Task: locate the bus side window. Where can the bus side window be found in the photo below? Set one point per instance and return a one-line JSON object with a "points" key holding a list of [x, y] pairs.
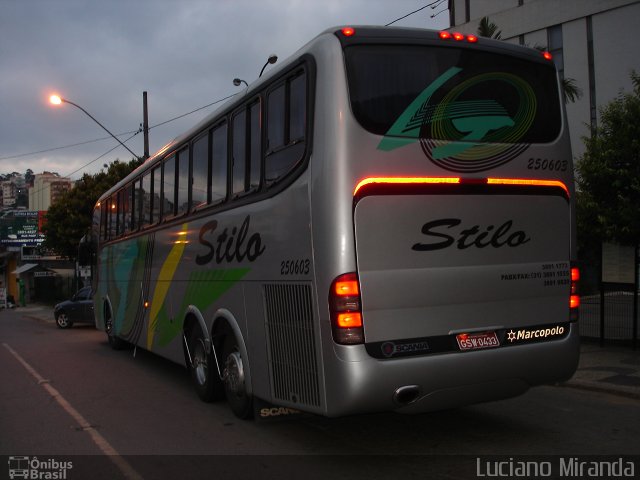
{"points": [[219, 164], [297, 108], [127, 209], [275, 119], [104, 219], [200, 176], [156, 180], [145, 199], [169, 187], [239, 152], [255, 146], [182, 182], [138, 198], [286, 127], [113, 217]]}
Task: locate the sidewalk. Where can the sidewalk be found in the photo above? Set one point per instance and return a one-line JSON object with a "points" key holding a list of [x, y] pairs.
{"points": [[612, 369]]}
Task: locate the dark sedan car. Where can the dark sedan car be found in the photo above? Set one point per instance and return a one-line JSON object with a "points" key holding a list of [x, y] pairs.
{"points": [[78, 309]]}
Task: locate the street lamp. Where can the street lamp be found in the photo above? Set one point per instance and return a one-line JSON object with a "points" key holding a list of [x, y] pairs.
{"points": [[273, 58], [238, 81], [57, 100]]}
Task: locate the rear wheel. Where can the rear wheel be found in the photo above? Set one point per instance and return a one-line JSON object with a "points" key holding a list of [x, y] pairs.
{"points": [[234, 380], [202, 368], [62, 320]]}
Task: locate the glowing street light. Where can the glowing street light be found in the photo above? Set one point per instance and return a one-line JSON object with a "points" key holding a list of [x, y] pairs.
{"points": [[58, 100]]}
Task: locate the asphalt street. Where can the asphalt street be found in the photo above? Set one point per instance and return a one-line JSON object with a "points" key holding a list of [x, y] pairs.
{"points": [[66, 394]]}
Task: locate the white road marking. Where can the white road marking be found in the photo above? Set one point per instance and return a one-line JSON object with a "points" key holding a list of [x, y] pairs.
{"points": [[102, 443]]}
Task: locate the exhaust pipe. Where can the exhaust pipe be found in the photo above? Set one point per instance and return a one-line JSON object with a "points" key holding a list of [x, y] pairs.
{"points": [[406, 395]]}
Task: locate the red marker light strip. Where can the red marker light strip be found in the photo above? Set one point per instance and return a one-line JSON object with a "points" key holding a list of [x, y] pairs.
{"points": [[456, 180], [397, 180], [457, 36], [528, 181]]}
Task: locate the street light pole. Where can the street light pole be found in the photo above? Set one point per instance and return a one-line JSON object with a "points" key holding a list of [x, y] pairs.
{"points": [[273, 58], [57, 100]]}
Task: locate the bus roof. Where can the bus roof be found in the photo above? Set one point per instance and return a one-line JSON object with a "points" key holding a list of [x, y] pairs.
{"points": [[356, 35]]}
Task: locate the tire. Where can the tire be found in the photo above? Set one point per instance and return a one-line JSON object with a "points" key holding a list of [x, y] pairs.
{"points": [[62, 320], [202, 368], [234, 380], [115, 342]]}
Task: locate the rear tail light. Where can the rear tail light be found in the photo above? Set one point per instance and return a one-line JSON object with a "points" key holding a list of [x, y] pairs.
{"points": [[346, 311], [574, 297]]}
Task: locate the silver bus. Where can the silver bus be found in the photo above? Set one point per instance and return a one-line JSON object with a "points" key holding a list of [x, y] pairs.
{"points": [[383, 222]]}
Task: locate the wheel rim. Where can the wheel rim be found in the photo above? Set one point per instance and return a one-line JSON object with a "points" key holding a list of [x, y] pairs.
{"points": [[63, 321], [233, 376], [200, 364]]}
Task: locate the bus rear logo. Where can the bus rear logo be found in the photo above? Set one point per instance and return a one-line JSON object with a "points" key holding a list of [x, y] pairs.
{"points": [[475, 236], [463, 129]]}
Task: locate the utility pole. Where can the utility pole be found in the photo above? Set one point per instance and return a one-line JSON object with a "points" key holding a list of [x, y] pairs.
{"points": [[145, 124]]}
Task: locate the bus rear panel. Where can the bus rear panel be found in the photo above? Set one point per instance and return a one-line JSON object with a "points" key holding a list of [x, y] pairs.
{"points": [[459, 287]]}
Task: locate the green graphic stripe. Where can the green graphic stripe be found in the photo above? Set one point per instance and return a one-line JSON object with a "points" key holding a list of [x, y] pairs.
{"points": [[203, 289], [406, 117]]}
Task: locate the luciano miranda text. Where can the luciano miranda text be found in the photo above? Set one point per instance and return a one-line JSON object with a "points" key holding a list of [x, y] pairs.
{"points": [[565, 467]]}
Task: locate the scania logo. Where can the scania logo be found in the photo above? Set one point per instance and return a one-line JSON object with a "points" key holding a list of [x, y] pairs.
{"points": [[391, 349]]}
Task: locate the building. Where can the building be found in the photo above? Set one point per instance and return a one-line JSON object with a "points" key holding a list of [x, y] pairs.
{"points": [[593, 42], [9, 193], [13, 192], [47, 188]]}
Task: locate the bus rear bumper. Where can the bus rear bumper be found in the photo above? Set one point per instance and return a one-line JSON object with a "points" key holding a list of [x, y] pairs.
{"points": [[360, 383]]}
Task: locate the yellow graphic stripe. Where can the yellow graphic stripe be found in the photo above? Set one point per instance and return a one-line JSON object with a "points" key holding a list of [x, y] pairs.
{"points": [[163, 282]]}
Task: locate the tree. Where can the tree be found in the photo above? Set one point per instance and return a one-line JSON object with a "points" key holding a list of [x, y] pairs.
{"points": [[487, 28], [70, 217], [29, 177], [608, 174], [570, 91]]}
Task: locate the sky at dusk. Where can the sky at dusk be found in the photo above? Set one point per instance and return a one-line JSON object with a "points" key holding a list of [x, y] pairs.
{"points": [[102, 54]]}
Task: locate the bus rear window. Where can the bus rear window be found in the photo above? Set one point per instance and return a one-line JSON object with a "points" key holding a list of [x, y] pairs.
{"points": [[452, 94]]}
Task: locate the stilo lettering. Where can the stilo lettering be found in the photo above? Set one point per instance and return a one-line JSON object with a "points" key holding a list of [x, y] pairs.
{"points": [[475, 236], [229, 245]]}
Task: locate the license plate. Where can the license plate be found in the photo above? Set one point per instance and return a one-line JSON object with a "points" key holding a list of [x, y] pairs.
{"points": [[477, 341]]}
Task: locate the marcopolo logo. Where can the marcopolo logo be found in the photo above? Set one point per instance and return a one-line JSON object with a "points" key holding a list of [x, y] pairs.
{"points": [[460, 127], [35, 468], [535, 334]]}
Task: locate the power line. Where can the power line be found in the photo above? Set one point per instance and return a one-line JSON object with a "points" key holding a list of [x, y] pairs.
{"points": [[415, 11], [52, 149], [193, 111], [68, 175]]}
